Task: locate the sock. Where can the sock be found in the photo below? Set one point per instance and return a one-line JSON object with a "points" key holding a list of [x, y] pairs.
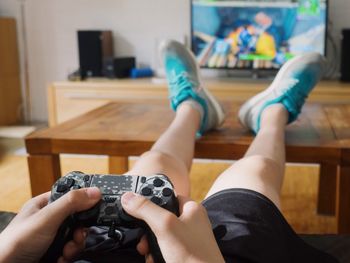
{"points": [[195, 105]]}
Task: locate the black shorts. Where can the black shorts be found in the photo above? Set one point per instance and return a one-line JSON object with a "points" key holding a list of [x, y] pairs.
{"points": [[247, 226], [250, 228]]}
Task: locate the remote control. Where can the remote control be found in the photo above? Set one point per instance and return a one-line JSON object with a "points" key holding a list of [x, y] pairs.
{"points": [[109, 212]]}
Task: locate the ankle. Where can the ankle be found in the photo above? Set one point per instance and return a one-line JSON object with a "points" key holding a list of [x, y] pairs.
{"points": [[192, 105], [190, 110], [275, 115]]}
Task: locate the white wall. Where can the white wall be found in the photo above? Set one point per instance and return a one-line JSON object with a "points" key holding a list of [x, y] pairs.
{"points": [[137, 25]]}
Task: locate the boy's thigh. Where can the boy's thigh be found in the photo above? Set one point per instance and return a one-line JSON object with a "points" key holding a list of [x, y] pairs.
{"points": [[255, 173]]}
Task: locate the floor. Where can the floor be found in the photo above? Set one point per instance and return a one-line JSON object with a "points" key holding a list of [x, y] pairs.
{"points": [[298, 195]]}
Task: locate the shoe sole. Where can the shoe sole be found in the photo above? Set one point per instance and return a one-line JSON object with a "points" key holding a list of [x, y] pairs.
{"points": [[212, 99], [243, 114]]}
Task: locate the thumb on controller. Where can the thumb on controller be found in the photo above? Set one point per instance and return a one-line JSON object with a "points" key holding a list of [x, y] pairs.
{"points": [[157, 218], [72, 202]]}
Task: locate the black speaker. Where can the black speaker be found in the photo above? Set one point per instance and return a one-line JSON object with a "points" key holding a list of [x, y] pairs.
{"points": [[94, 48], [345, 57], [118, 67]]}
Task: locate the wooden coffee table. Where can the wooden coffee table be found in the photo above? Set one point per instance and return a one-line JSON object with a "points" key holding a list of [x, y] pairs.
{"points": [[321, 135]]}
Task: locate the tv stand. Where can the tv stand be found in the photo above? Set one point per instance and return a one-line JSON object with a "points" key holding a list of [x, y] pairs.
{"points": [[69, 99], [241, 75], [256, 74]]}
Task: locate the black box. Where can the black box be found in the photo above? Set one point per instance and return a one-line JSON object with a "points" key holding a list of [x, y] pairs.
{"points": [[118, 67], [94, 48], [345, 56]]}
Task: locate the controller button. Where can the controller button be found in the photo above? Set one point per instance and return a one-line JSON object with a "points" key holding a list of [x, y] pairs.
{"points": [[86, 178], [62, 188], [158, 182], [146, 191], [70, 182], [156, 200], [143, 179], [109, 210], [167, 192], [64, 185]]}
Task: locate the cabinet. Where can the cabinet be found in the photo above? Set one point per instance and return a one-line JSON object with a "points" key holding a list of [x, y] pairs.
{"points": [[10, 84], [70, 99]]}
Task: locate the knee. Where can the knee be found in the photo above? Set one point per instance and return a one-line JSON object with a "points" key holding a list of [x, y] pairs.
{"points": [[158, 162], [164, 160], [260, 164], [158, 157]]}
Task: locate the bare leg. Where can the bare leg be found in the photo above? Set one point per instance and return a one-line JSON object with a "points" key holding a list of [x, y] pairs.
{"points": [[262, 168], [172, 154]]}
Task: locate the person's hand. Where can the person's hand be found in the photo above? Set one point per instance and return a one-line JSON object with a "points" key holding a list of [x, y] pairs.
{"points": [[188, 238], [32, 231]]}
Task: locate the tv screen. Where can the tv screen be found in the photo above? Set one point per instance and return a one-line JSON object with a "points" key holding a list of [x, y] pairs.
{"points": [[256, 34]]}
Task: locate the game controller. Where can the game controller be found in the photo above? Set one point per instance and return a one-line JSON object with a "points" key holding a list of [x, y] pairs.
{"points": [[109, 212]]}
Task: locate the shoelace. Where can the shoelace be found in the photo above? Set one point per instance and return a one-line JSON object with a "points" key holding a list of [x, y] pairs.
{"points": [[180, 83]]}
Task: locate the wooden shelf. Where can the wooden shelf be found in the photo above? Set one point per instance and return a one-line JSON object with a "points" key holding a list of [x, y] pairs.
{"points": [[70, 99]]}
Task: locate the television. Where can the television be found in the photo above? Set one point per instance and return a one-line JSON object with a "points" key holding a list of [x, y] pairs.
{"points": [[256, 34]]}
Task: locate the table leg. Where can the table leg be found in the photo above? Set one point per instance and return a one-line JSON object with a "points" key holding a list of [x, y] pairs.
{"points": [[118, 164], [343, 200], [44, 170], [327, 189]]}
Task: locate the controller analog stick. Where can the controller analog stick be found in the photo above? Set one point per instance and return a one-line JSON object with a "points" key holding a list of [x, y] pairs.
{"points": [[167, 192], [156, 200], [146, 191]]}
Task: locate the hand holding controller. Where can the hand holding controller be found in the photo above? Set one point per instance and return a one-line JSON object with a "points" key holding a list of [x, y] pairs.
{"points": [[109, 212]]}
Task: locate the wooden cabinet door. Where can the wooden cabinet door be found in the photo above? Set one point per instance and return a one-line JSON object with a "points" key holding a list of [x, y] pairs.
{"points": [[10, 87]]}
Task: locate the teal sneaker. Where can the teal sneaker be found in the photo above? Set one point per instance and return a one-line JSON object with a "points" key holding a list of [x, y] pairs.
{"points": [[291, 87], [184, 83]]}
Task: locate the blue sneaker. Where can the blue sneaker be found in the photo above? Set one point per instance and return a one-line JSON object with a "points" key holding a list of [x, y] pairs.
{"points": [[291, 87], [184, 83]]}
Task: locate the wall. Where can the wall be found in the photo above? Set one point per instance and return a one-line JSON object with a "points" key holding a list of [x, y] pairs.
{"points": [[138, 25]]}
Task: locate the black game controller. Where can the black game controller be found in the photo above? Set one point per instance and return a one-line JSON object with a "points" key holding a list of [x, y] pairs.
{"points": [[109, 212]]}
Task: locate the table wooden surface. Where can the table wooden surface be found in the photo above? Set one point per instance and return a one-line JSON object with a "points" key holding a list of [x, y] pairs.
{"points": [[321, 135]]}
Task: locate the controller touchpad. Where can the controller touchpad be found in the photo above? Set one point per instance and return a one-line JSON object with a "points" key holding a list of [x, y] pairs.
{"points": [[113, 185]]}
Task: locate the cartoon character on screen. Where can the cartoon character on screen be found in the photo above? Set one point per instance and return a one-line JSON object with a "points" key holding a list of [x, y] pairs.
{"points": [[254, 37], [247, 39], [225, 51]]}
